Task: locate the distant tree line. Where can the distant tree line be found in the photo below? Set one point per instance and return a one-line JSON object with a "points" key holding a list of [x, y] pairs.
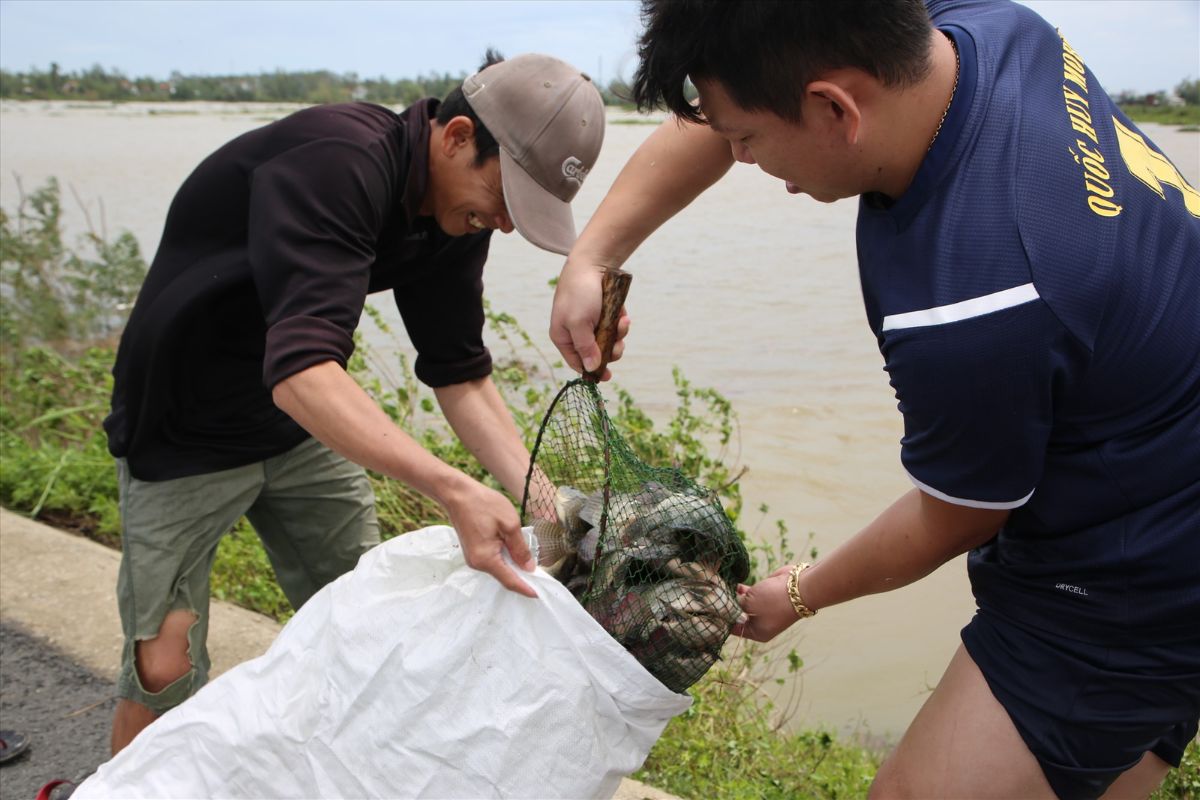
{"points": [[323, 86], [1186, 93], [318, 86]]}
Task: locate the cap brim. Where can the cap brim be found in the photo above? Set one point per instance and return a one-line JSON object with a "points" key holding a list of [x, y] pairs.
{"points": [[539, 216]]}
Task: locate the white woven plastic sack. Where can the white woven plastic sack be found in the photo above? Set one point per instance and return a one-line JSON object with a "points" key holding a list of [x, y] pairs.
{"points": [[412, 676]]}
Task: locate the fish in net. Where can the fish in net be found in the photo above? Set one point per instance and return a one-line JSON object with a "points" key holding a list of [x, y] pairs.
{"points": [[649, 553]]}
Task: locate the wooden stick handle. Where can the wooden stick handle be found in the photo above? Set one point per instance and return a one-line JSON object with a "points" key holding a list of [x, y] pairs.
{"points": [[614, 289]]}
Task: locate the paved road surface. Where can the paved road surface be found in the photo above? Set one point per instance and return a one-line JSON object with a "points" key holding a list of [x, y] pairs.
{"points": [[64, 709]]}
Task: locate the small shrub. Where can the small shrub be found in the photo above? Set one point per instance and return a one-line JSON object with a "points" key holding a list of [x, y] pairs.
{"points": [[242, 574], [64, 298], [1183, 783]]}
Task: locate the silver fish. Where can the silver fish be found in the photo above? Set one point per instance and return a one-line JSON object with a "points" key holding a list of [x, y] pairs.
{"points": [[656, 582], [659, 579], [629, 618], [697, 570], [568, 503], [587, 545], [577, 584], [624, 508], [564, 568], [697, 633], [688, 597], [678, 671], [552, 541], [592, 509]]}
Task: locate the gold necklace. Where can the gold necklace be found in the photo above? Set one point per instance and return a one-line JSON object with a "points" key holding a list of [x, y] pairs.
{"points": [[953, 91]]}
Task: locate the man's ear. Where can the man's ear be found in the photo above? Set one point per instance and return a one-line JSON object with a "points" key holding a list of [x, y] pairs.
{"points": [[457, 133], [836, 110]]}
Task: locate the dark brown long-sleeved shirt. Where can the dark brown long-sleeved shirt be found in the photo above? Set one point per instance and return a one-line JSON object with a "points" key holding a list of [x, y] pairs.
{"points": [[269, 251]]}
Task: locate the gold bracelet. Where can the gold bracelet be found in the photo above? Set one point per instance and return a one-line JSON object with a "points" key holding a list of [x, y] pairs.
{"points": [[802, 611]]}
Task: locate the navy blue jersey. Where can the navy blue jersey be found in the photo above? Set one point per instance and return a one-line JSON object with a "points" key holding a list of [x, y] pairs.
{"points": [[1036, 297]]}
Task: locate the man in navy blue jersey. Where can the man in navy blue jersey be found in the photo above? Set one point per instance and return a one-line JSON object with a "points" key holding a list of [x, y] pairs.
{"points": [[1030, 266]]}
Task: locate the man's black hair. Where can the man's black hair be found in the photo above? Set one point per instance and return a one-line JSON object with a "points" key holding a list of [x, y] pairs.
{"points": [[455, 105], [765, 52]]}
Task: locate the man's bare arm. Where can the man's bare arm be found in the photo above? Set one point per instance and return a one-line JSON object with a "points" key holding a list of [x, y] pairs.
{"points": [[671, 168], [484, 424], [328, 403], [913, 537]]}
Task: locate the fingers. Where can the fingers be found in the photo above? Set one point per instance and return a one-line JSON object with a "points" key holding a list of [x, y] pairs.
{"points": [[510, 537], [583, 340], [491, 561], [746, 630], [486, 525], [744, 627], [501, 571], [518, 548], [585, 345], [566, 348], [767, 612], [622, 331], [575, 314]]}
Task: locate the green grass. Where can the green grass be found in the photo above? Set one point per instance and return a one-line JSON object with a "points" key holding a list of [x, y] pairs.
{"points": [[1187, 115], [730, 744], [242, 575]]}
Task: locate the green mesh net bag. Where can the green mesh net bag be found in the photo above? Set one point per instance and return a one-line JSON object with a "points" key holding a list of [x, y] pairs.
{"points": [[649, 553]]}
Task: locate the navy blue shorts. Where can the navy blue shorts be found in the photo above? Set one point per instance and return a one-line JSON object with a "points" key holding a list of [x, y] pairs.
{"points": [[1089, 712]]}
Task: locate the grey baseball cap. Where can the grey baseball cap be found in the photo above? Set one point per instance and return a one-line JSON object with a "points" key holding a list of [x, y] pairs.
{"points": [[548, 119]]}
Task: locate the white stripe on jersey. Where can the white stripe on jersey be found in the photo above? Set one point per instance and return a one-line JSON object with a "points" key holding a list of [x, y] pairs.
{"points": [[958, 501], [955, 312]]}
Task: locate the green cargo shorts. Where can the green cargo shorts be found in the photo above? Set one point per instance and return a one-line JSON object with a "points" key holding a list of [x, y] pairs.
{"points": [[313, 510]]}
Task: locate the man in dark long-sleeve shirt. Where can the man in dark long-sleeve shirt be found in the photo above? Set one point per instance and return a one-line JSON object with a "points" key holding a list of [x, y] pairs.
{"points": [[231, 395]]}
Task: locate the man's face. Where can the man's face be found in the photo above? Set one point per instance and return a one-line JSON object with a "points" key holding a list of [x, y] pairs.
{"points": [[805, 158], [461, 197]]}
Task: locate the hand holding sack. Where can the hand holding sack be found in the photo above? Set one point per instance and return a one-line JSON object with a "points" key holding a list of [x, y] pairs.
{"points": [[412, 676]]}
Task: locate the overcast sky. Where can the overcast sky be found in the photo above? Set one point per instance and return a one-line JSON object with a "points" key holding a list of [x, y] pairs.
{"points": [[1144, 45]]}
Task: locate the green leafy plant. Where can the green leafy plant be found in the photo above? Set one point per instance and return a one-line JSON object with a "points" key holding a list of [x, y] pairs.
{"points": [[1182, 783], [242, 575], [56, 461], [56, 296]]}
